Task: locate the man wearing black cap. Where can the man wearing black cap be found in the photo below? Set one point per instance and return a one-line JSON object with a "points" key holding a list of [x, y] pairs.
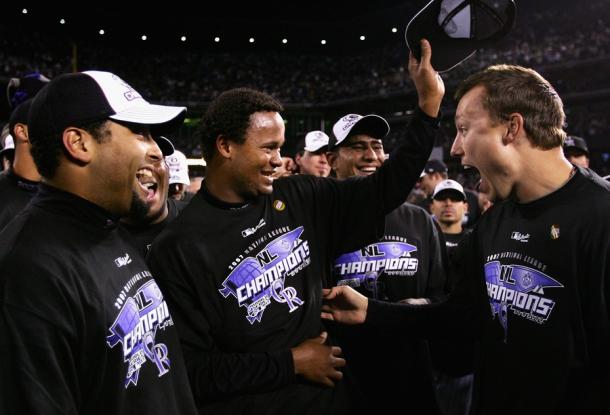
{"points": [[449, 206], [244, 264], [406, 263], [453, 360], [20, 183], [576, 150], [434, 172], [535, 271], [150, 215], [85, 328]]}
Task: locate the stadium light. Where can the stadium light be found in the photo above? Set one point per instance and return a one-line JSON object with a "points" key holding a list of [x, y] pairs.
{"points": [[394, 30], [183, 38], [24, 11], [62, 21], [216, 39], [362, 37], [323, 42], [284, 41], [101, 31], [251, 40], [144, 37]]}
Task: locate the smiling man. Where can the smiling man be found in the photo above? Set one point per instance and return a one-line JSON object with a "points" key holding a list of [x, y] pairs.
{"points": [[244, 263], [85, 328], [153, 210], [406, 263]]}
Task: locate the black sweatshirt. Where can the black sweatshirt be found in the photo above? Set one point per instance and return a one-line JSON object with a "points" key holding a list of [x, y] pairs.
{"points": [[393, 368], [84, 327], [534, 291], [244, 283], [143, 235], [15, 194]]}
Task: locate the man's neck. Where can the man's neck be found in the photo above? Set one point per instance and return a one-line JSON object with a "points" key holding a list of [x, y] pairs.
{"points": [[542, 172], [452, 228], [23, 165]]}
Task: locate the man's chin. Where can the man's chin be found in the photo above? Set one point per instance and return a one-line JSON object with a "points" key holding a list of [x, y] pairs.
{"points": [[139, 209]]}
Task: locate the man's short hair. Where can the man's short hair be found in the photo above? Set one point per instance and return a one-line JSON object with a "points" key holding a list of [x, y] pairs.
{"points": [[229, 115], [512, 88]]}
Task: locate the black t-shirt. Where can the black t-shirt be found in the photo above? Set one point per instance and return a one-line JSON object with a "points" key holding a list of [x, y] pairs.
{"points": [[244, 282], [143, 235], [536, 279], [85, 328], [406, 263], [15, 194]]}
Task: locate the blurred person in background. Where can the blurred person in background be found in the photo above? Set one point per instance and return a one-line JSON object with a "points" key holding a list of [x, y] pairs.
{"points": [[20, 183], [310, 157], [178, 176], [576, 150]]}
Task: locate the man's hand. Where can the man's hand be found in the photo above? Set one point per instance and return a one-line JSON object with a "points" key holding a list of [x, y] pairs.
{"points": [[429, 85], [345, 305], [317, 362]]}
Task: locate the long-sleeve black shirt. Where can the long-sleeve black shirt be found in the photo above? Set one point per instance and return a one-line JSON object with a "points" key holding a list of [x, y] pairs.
{"points": [[84, 327], [244, 284], [534, 289]]}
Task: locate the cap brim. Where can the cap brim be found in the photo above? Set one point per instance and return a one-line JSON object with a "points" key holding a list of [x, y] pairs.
{"points": [[165, 145], [450, 191], [316, 149], [163, 118], [447, 52], [372, 125]]}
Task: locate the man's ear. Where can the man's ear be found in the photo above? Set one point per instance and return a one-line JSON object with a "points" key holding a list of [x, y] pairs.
{"points": [[331, 157], [224, 146], [78, 144], [20, 133], [514, 128]]}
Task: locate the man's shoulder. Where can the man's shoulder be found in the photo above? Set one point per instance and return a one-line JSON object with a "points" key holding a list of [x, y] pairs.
{"points": [[410, 210]]}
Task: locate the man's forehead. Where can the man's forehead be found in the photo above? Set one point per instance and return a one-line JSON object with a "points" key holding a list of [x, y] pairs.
{"points": [[264, 119], [360, 138]]}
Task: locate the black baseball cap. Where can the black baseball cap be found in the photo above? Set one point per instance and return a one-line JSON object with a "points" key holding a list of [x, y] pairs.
{"points": [[21, 89], [19, 115], [81, 98], [434, 166], [575, 144], [457, 28]]}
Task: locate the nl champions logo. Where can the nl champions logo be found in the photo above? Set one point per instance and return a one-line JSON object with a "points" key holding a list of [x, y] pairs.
{"points": [[520, 289], [135, 328], [361, 268], [258, 280]]}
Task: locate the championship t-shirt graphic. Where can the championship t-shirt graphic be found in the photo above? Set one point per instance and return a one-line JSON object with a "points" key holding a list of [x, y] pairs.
{"points": [[362, 268], [520, 289], [136, 326], [261, 277]]}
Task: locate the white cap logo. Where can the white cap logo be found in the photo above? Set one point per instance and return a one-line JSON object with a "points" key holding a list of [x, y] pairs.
{"points": [[315, 140]]}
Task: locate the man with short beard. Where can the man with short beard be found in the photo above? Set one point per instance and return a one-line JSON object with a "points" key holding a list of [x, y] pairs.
{"points": [[150, 214]]}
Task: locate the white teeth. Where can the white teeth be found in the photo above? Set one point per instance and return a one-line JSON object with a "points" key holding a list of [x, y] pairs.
{"points": [[144, 172]]}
